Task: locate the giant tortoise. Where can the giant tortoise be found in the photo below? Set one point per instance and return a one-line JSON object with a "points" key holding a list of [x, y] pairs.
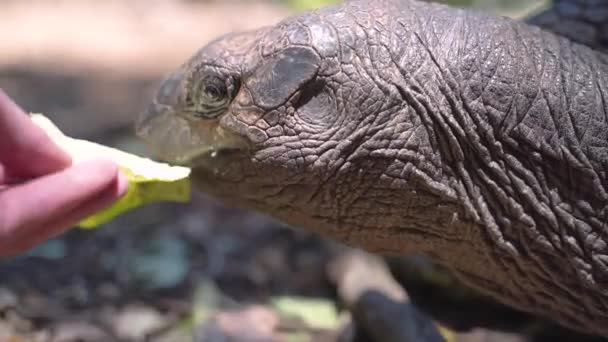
{"points": [[402, 127]]}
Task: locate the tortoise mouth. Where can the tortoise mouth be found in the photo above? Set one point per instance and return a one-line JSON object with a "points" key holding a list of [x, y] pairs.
{"points": [[176, 140]]}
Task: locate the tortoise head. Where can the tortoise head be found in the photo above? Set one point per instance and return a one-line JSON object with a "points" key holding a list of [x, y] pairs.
{"points": [[305, 121], [253, 113]]}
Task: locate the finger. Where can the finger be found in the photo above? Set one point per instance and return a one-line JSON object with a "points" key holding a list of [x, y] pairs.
{"points": [[3, 175], [27, 209], [97, 204], [33, 237], [26, 150]]}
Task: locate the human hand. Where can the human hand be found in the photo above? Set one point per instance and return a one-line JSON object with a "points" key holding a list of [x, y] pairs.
{"points": [[41, 193]]}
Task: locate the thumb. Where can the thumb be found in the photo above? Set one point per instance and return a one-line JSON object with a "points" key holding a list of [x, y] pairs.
{"points": [[25, 149]]}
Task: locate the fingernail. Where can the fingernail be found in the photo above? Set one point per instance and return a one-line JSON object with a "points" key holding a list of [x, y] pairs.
{"points": [[97, 171], [122, 183], [106, 174]]}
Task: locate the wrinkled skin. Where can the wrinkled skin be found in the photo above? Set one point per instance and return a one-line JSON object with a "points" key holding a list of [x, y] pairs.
{"points": [[400, 127]]}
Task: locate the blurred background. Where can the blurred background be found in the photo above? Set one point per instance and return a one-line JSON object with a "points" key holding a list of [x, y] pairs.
{"points": [[199, 272]]}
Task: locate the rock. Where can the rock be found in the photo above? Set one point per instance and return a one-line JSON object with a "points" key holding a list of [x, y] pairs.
{"points": [[8, 299], [79, 331], [482, 335], [108, 291], [161, 263], [6, 331], [35, 305], [253, 324], [257, 323], [137, 322], [52, 250], [179, 333]]}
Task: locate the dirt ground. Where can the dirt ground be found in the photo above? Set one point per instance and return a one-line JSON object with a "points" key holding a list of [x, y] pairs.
{"points": [[197, 272]]}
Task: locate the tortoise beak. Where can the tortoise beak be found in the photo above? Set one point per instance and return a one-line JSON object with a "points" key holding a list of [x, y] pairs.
{"points": [[166, 134], [145, 122], [167, 97], [174, 138], [169, 137]]}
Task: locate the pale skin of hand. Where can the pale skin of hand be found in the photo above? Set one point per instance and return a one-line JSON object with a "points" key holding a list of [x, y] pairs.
{"points": [[42, 194]]}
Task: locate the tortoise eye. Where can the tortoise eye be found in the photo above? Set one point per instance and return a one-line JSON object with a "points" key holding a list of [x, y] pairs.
{"points": [[214, 92], [210, 98]]}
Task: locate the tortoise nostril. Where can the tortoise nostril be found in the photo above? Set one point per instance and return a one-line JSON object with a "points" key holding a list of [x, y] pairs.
{"points": [[170, 89], [167, 97]]}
